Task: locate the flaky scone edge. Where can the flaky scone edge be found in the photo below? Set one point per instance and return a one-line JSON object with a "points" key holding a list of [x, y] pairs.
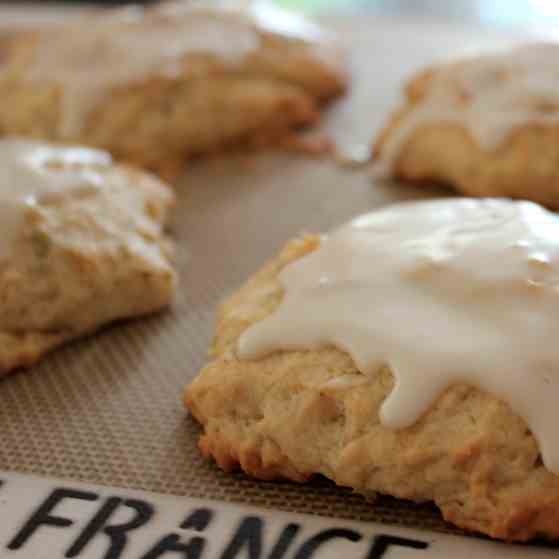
{"points": [[294, 414], [525, 166]]}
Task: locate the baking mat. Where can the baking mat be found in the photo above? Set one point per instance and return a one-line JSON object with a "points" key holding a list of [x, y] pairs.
{"points": [[107, 409]]}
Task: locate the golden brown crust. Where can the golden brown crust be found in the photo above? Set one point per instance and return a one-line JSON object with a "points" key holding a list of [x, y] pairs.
{"points": [[158, 122], [524, 166], [24, 350], [81, 261], [257, 112], [298, 413]]}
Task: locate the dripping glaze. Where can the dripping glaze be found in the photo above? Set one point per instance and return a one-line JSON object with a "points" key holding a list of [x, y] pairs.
{"points": [[92, 57], [442, 292], [489, 95]]}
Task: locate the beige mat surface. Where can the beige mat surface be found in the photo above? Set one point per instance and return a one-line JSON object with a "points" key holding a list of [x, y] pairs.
{"points": [[107, 409]]}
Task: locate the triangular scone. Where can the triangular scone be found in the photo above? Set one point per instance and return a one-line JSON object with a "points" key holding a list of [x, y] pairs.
{"points": [[156, 86], [487, 126], [82, 245], [293, 414]]}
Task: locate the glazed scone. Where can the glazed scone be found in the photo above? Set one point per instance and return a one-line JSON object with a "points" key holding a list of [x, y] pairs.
{"points": [[82, 245], [411, 354], [154, 87], [487, 126]]}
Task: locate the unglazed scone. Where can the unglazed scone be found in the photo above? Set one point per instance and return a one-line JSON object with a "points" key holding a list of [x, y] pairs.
{"points": [[487, 126], [82, 245], [156, 86], [427, 372]]}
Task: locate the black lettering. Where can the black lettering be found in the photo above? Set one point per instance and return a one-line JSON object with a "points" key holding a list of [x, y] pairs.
{"points": [[247, 536], [382, 543], [198, 520], [284, 541], [117, 533], [172, 544], [43, 516], [310, 546]]}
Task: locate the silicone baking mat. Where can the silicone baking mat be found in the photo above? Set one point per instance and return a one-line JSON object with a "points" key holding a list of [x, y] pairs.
{"points": [[108, 410]]}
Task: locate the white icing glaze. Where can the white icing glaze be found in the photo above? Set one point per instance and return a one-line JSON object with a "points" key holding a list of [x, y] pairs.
{"points": [[442, 292], [267, 16], [33, 173], [489, 95], [92, 57]]}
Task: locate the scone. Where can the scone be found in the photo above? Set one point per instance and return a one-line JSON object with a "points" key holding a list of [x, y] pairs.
{"points": [[487, 126], [154, 87], [82, 245], [413, 353]]}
